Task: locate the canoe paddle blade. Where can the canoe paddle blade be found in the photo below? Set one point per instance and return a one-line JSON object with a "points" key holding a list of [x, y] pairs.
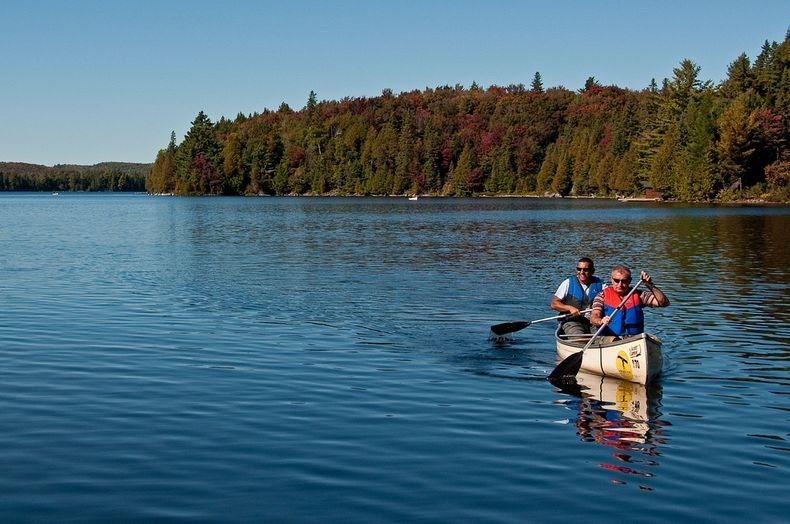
{"points": [[509, 327], [567, 368]]}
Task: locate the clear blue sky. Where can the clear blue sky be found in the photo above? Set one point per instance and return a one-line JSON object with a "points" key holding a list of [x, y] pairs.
{"points": [[88, 81]]}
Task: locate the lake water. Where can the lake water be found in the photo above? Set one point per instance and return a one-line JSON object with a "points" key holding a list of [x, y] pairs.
{"points": [[327, 360]]}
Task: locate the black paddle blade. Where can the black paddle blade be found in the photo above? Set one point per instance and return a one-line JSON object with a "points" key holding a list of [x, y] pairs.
{"points": [[567, 368], [508, 327]]}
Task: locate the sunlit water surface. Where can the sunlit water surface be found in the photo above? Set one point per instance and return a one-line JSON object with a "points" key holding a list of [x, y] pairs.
{"points": [[311, 359]]}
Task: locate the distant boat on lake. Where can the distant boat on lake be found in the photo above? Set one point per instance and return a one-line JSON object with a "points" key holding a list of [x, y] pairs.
{"points": [[639, 199]]}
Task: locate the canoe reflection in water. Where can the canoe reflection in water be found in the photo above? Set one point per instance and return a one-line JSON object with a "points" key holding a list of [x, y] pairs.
{"points": [[620, 414]]}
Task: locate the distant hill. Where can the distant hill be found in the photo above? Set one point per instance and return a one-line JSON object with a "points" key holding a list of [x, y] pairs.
{"points": [[22, 168], [129, 168], [121, 167], [104, 176]]}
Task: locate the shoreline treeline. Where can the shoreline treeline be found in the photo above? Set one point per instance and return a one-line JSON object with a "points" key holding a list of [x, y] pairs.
{"points": [[686, 139], [105, 176]]}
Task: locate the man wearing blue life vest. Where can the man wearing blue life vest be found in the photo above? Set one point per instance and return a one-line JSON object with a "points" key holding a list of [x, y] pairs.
{"points": [[576, 294], [630, 320]]}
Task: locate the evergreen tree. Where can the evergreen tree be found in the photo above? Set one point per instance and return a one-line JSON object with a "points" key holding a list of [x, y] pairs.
{"points": [[623, 180], [503, 168], [406, 172], [660, 174], [232, 166], [162, 177], [431, 165], [766, 73], [562, 182], [547, 170], [782, 66], [463, 174], [198, 160], [590, 83], [734, 149], [652, 88], [537, 83], [683, 86], [693, 174], [739, 78]]}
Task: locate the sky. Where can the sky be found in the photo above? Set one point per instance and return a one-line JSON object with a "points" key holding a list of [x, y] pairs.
{"points": [[84, 81]]}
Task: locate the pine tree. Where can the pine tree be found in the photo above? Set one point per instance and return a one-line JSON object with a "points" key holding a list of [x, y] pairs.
{"points": [[766, 73], [462, 175], [684, 85], [232, 164], [591, 83], [537, 83], [162, 177], [739, 78], [734, 150], [198, 159]]}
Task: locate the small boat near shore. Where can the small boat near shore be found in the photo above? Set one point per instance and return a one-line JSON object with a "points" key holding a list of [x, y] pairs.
{"points": [[640, 199], [636, 359]]}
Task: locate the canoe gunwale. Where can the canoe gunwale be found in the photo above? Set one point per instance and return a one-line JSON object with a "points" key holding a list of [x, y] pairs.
{"points": [[600, 344]]}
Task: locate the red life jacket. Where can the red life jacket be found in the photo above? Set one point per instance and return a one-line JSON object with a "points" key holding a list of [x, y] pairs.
{"points": [[629, 321]]}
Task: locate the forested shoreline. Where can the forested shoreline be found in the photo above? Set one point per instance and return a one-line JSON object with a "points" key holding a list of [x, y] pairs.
{"points": [[686, 139], [105, 176]]}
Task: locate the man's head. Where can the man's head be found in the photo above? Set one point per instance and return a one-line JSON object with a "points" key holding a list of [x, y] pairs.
{"points": [[621, 279], [584, 270]]}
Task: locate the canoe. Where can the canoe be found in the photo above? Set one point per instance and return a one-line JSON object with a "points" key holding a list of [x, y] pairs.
{"points": [[640, 199], [636, 359]]}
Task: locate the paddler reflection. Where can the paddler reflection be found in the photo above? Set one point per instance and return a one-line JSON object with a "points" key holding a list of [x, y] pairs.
{"points": [[623, 415]]}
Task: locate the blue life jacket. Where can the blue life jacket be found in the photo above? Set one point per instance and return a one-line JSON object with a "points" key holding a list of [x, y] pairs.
{"points": [[576, 296], [629, 321]]}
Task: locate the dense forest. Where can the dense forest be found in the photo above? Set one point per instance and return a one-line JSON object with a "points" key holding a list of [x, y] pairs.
{"points": [[105, 176], [686, 139]]}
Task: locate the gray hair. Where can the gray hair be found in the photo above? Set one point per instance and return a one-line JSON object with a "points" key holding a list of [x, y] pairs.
{"points": [[622, 269]]}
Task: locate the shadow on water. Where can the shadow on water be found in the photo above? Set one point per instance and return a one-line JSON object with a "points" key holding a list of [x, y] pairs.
{"points": [[621, 415], [509, 357]]}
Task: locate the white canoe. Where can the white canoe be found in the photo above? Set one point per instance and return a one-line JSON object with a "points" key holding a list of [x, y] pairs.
{"points": [[636, 359]]}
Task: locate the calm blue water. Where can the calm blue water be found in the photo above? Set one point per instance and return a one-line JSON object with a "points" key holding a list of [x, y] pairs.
{"points": [[327, 360]]}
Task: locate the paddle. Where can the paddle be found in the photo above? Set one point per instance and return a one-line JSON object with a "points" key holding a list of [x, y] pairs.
{"points": [[512, 327], [571, 365]]}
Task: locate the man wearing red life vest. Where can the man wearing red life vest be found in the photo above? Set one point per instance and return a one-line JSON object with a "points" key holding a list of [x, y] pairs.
{"points": [[630, 320]]}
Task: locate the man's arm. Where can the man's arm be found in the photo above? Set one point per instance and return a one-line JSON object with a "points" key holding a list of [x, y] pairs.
{"points": [[562, 307], [596, 315], [654, 297], [556, 301]]}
